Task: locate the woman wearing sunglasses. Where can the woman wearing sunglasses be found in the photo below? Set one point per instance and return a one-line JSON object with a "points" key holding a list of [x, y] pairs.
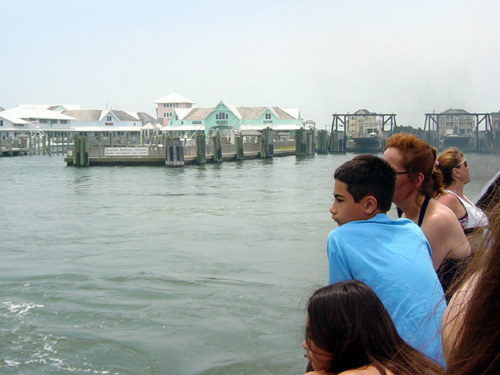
{"points": [[418, 183], [455, 171]]}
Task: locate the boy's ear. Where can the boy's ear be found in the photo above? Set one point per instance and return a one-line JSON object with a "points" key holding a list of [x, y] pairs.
{"points": [[370, 204]]}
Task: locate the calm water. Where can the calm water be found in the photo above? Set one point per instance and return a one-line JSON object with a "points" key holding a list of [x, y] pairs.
{"points": [[149, 270]]}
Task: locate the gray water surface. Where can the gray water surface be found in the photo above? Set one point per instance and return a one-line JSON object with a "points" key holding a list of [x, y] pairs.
{"points": [[149, 270]]}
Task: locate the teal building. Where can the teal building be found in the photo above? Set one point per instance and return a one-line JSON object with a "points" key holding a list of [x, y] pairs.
{"points": [[225, 117]]}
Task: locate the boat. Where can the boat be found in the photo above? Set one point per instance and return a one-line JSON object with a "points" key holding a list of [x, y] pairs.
{"points": [[370, 143], [463, 142]]}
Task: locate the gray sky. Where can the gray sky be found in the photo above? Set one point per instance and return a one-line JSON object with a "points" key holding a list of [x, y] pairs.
{"points": [[324, 56]]}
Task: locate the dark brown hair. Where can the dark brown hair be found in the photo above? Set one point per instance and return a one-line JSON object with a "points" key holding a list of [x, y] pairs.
{"points": [[368, 175], [348, 320], [419, 157]]}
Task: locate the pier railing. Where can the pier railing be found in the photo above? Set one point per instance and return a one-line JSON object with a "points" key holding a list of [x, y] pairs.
{"points": [[174, 151]]}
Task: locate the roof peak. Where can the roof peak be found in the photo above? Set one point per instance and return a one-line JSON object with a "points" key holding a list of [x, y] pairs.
{"points": [[174, 98]]}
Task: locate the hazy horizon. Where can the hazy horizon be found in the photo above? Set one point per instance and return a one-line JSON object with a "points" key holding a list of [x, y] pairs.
{"points": [[325, 57]]}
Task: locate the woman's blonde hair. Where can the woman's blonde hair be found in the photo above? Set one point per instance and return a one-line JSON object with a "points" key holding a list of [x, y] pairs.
{"points": [[448, 160]]}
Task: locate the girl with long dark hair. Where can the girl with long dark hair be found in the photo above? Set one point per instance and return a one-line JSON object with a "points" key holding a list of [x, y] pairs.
{"points": [[348, 331]]}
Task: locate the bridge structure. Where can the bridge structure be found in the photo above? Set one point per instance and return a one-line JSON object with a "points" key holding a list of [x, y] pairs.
{"points": [[435, 138]]}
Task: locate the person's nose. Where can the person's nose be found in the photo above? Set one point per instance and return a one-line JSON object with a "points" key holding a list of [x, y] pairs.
{"points": [[332, 209]]}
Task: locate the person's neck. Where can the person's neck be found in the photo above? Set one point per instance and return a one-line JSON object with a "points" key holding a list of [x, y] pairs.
{"points": [[373, 214], [411, 205], [457, 187]]}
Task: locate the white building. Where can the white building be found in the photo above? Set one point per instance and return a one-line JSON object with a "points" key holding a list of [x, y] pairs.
{"points": [[33, 119], [109, 120]]}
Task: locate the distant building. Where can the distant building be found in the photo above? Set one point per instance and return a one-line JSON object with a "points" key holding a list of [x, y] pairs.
{"points": [[169, 104], [227, 117], [495, 121], [38, 119], [364, 126], [11, 126], [51, 107], [109, 120], [456, 122]]}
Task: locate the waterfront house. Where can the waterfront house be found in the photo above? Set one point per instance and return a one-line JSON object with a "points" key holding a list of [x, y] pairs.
{"points": [[107, 120], [456, 122], [168, 105], [39, 120], [495, 125], [12, 126], [224, 117], [104, 122], [364, 123]]}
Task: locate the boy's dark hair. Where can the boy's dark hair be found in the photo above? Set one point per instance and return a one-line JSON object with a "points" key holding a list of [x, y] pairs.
{"points": [[368, 175]]}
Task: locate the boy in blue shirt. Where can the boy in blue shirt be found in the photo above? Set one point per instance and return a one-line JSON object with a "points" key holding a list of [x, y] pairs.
{"points": [[392, 257]]}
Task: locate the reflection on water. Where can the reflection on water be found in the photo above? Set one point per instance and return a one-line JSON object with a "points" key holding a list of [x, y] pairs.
{"points": [[149, 270]]}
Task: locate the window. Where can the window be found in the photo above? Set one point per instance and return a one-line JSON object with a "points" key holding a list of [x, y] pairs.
{"points": [[164, 105], [165, 114], [42, 121], [54, 121], [64, 121], [268, 116], [108, 118], [1, 122]]}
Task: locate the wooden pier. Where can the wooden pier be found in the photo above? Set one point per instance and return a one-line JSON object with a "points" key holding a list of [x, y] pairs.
{"points": [[36, 143], [174, 152]]}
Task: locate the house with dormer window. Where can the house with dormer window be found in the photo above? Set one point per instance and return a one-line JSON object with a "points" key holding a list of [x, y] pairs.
{"points": [[109, 120], [168, 105], [456, 122], [227, 117]]}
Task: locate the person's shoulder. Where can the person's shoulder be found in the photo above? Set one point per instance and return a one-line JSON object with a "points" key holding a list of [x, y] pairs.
{"points": [[441, 214], [448, 198], [354, 226], [366, 370], [451, 201], [317, 373]]}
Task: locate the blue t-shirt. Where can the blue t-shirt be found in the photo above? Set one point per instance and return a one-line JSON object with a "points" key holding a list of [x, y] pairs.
{"points": [[393, 258]]}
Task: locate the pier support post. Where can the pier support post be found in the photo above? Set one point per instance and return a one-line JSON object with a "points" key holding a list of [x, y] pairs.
{"points": [[337, 142], [216, 149], [238, 141], [310, 142], [76, 151], [174, 153], [322, 142], [300, 142], [200, 148], [44, 144], [267, 144], [81, 147]]}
